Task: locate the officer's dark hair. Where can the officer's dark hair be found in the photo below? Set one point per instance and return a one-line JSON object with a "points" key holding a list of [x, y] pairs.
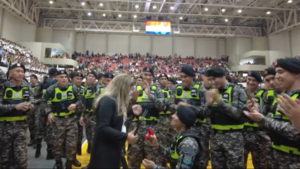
{"points": [[229, 79], [34, 76]]}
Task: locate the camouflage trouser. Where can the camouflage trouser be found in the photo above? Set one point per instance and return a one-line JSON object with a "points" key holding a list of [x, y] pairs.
{"points": [[284, 160], [90, 121], [227, 150], [142, 149], [205, 131], [255, 143], [65, 129], [14, 145], [40, 123], [31, 123]]}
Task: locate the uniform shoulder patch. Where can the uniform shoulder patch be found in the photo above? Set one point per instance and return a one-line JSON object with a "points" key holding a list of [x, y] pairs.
{"points": [[187, 159]]}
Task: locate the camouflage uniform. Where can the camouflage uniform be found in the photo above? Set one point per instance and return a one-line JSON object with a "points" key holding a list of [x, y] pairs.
{"points": [[31, 121], [141, 149], [255, 140], [188, 151], [166, 131], [13, 137], [202, 125], [65, 128], [3, 79], [227, 148]]}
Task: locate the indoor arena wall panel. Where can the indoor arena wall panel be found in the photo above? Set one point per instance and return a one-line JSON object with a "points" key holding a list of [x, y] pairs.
{"points": [[118, 44], [280, 42], [65, 38], [206, 47], [140, 44], [295, 38], [162, 45], [96, 43], [184, 46]]}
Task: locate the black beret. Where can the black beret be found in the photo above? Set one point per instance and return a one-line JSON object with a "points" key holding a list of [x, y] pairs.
{"points": [[108, 75], [216, 72], [17, 65], [76, 74], [34, 76], [60, 72], [186, 115], [290, 64], [163, 75], [93, 73], [188, 70], [52, 71], [270, 71], [100, 75], [256, 75], [173, 81], [148, 69]]}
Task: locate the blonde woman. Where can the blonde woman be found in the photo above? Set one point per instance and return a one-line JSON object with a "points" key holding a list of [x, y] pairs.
{"points": [[111, 112]]}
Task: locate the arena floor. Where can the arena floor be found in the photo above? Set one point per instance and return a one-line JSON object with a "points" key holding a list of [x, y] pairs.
{"points": [[84, 159]]}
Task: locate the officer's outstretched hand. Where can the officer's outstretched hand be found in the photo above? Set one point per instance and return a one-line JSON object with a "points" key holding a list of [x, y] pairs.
{"points": [[254, 115], [153, 141], [131, 138], [209, 97], [148, 164], [147, 88], [72, 107], [51, 118], [22, 106]]}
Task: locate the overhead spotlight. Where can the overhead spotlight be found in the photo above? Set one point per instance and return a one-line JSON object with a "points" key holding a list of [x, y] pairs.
{"points": [[154, 7], [226, 20], [181, 18], [50, 2], [136, 6], [290, 1], [268, 12], [101, 4], [89, 14], [82, 3], [239, 11], [206, 9], [104, 15], [223, 10], [134, 16], [172, 7], [119, 15]]}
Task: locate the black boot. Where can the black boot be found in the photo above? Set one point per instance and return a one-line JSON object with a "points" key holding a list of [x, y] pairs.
{"points": [[58, 165], [38, 150], [86, 167], [75, 162], [49, 152], [68, 164]]}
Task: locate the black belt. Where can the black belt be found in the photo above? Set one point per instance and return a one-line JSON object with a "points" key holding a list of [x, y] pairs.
{"points": [[251, 128], [226, 131], [151, 122], [65, 117]]}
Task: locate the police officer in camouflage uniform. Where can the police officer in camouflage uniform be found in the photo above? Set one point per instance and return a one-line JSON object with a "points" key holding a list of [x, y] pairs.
{"points": [[225, 106], [31, 114], [285, 137], [166, 131], [65, 100], [99, 78], [255, 139], [77, 78], [44, 129], [192, 94], [88, 117], [149, 98], [15, 103], [185, 150]]}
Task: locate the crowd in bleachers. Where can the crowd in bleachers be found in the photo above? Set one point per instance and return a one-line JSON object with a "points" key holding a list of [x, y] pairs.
{"points": [[13, 52]]}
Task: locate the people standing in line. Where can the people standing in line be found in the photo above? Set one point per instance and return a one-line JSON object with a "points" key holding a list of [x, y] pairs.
{"points": [[192, 94], [284, 136], [111, 113], [65, 100], [88, 117], [185, 151], [16, 101], [44, 129], [255, 139], [76, 79], [225, 106], [149, 98], [31, 114]]}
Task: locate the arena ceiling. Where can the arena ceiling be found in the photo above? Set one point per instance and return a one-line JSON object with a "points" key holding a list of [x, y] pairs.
{"points": [[217, 18]]}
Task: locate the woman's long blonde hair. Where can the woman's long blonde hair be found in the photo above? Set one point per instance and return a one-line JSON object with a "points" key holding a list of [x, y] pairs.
{"points": [[118, 89]]}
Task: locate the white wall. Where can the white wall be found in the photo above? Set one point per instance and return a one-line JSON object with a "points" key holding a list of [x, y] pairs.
{"points": [[160, 45], [14, 29]]}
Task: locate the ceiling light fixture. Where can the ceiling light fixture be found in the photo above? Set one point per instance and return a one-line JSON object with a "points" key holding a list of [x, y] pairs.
{"points": [[226, 20], [136, 6], [134, 16], [154, 7], [181, 18], [104, 15], [223, 10], [206, 9], [290, 1], [119, 15], [172, 7], [89, 14], [82, 3], [101, 4], [268, 12], [239, 11], [50, 2]]}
